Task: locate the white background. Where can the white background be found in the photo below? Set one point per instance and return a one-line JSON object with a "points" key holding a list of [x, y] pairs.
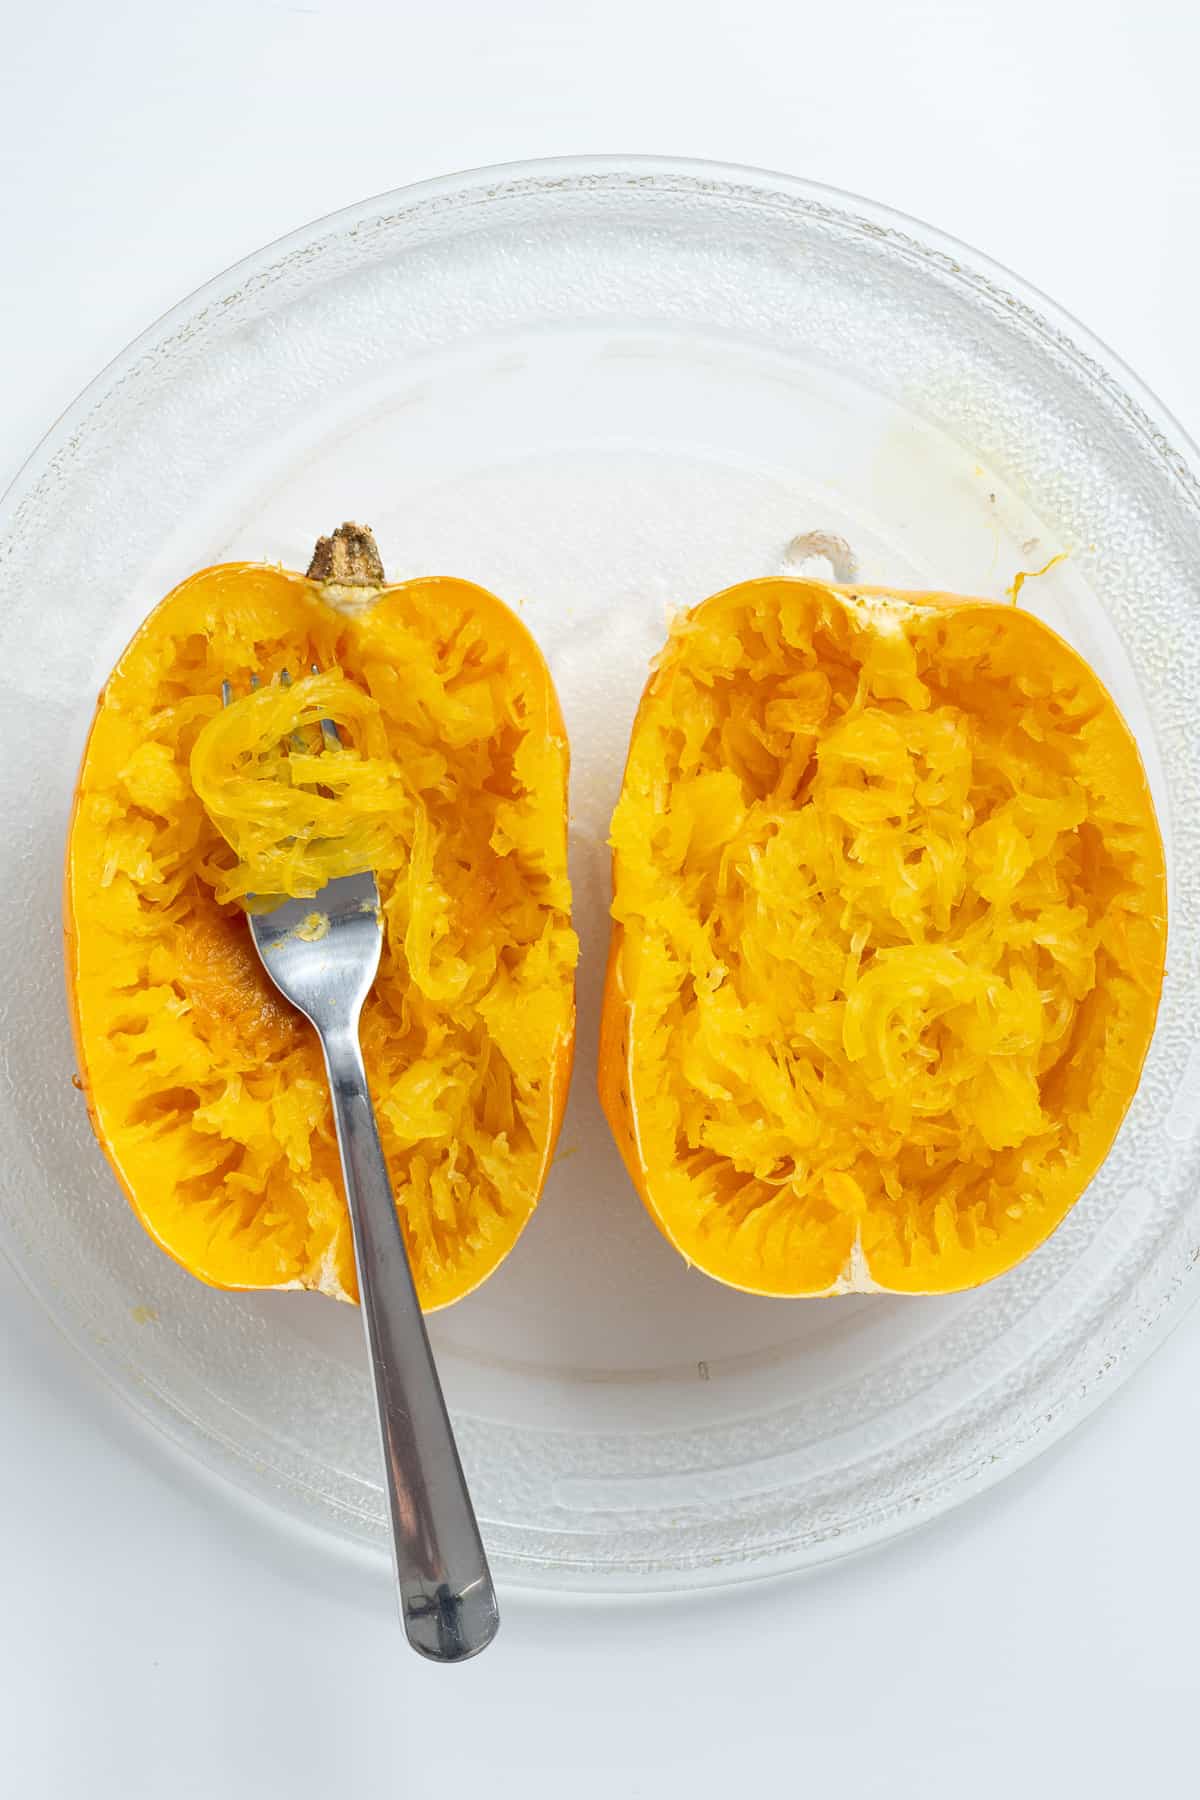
{"points": [[156, 1641]]}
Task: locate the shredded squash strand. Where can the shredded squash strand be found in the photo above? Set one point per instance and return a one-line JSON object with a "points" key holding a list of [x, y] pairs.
{"points": [[294, 813], [891, 895]]}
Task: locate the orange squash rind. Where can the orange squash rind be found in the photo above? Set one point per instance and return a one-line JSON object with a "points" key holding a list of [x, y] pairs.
{"points": [[889, 927], [206, 1091]]}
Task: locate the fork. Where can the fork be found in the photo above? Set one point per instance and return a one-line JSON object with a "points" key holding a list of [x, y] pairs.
{"points": [[447, 1601]]}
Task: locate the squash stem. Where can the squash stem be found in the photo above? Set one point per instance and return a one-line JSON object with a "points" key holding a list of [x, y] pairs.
{"points": [[349, 567]]}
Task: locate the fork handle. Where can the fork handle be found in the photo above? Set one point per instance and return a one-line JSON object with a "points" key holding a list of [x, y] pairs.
{"points": [[447, 1600]]}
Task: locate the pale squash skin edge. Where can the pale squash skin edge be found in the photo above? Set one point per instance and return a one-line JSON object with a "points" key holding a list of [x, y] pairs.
{"points": [[355, 581], [616, 1074]]}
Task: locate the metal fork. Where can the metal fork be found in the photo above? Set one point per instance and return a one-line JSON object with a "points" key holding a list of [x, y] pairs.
{"points": [[447, 1600]]}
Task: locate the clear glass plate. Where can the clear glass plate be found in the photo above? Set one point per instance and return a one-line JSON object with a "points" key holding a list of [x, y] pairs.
{"points": [[606, 389]]}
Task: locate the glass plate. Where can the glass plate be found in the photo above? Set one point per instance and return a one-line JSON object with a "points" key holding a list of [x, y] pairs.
{"points": [[606, 389]]}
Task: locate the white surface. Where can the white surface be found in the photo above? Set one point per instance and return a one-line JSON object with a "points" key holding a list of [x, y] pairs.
{"points": [[146, 1644]]}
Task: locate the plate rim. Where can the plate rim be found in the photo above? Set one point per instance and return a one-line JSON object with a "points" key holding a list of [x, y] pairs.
{"points": [[552, 171]]}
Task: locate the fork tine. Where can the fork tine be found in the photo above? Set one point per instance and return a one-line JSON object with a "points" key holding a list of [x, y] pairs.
{"points": [[227, 693], [329, 730], [296, 739]]}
